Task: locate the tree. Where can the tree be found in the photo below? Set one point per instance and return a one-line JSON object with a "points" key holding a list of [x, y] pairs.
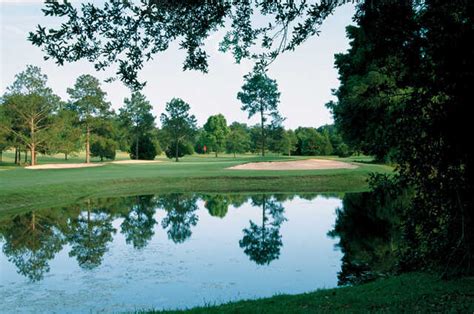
{"points": [[238, 140], [4, 127], [97, 34], [216, 130], [148, 148], [137, 118], [260, 95], [201, 140], [103, 142], [405, 96], [88, 100], [311, 142], [28, 105], [66, 134], [184, 148], [103, 148], [178, 124], [281, 140]]}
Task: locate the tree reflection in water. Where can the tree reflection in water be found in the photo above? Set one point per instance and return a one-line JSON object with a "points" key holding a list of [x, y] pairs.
{"points": [[138, 224], [90, 232], [262, 242], [368, 226], [31, 240], [180, 215]]}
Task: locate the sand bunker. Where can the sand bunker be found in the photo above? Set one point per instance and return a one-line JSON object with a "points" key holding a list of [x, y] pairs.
{"points": [[308, 164], [63, 166], [134, 161]]}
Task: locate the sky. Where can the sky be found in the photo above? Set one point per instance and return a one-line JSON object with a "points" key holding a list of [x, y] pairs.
{"points": [[305, 77]]}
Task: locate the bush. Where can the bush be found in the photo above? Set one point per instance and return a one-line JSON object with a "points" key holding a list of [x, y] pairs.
{"points": [[103, 148], [147, 148], [183, 149]]}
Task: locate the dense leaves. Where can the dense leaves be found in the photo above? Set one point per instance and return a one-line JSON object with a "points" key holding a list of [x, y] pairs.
{"points": [[405, 93]]}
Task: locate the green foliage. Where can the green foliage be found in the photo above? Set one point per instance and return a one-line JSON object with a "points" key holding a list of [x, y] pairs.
{"points": [[147, 148], [179, 126], [103, 148], [136, 118], [65, 134], [179, 150], [238, 140], [404, 96], [260, 95], [311, 143], [27, 111], [96, 33], [216, 132], [88, 99]]}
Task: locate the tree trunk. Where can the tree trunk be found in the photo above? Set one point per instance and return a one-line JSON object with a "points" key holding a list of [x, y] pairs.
{"points": [[88, 138], [176, 151], [216, 153], [16, 155], [263, 132], [136, 149], [33, 154], [65, 156], [1, 156], [26, 156]]}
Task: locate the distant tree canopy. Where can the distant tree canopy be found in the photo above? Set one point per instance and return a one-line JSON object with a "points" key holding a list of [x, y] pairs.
{"points": [[27, 109], [260, 95], [87, 99], [179, 126], [216, 131], [137, 119]]}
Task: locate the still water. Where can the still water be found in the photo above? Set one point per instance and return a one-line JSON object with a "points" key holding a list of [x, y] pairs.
{"points": [[166, 251]]}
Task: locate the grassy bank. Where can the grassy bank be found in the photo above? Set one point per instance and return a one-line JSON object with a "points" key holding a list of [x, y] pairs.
{"points": [[24, 189], [409, 293]]}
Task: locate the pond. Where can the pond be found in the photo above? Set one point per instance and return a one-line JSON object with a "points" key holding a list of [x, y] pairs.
{"points": [[167, 251]]}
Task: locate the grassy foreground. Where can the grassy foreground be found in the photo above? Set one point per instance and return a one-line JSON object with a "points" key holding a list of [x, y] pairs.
{"points": [[25, 189], [409, 293]]}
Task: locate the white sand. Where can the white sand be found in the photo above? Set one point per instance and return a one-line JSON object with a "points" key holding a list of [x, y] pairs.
{"points": [[307, 164], [63, 166]]}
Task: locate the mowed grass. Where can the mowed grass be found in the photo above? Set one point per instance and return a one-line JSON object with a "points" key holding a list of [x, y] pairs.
{"points": [[25, 188], [408, 293]]}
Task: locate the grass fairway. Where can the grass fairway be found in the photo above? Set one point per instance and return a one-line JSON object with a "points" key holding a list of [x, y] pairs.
{"points": [[25, 189], [409, 293]]}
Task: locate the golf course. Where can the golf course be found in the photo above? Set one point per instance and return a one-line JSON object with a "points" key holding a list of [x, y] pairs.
{"points": [[236, 156], [23, 188]]}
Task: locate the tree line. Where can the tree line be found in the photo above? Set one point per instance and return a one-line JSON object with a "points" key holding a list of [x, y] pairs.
{"points": [[34, 120]]}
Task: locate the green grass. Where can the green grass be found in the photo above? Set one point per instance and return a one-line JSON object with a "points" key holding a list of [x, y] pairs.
{"points": [[25, 189], [408, 293]]}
